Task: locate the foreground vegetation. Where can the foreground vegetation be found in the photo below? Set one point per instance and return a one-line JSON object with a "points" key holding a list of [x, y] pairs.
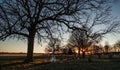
{"points": [[83, 65], [43, 63]]}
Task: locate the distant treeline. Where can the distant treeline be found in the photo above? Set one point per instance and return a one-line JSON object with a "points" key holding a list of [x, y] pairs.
{"points": [[114, 53]]}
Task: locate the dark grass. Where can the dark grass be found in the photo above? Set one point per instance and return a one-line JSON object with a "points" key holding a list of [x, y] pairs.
{"points": [[107, 64], [43, 63]]}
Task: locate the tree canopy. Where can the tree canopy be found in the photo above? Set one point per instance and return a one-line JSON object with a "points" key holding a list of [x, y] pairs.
{"points": [[30, 19]]}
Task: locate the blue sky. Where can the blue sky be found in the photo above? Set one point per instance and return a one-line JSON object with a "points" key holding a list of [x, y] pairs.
{"points": [[15, 45], [112, 38]]}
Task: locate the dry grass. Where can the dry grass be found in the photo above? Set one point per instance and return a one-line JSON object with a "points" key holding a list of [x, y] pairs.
{"points": [[43, 63], [19, 54]]}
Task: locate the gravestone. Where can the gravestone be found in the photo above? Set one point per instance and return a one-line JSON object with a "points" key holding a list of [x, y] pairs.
{"points": [[53, 59]]}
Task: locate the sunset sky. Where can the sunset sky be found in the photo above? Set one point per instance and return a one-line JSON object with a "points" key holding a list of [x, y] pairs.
{"points": [[14, 45]]}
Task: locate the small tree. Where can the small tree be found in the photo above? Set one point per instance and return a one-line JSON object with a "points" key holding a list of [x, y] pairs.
{"points": [[115, 48], [70, 52], [64, 51], [117, 45], [53, 45], [80, 40], [98, 50], [107, 47]]}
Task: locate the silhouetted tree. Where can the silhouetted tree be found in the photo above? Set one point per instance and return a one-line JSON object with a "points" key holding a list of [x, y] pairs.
{"points": [[27, 19], [67, 49], [117, 45], [92, 26], [107, 47], [70, 52], [53, 45], [81, 41], [98, 50], [115, 48], [64, 50]]}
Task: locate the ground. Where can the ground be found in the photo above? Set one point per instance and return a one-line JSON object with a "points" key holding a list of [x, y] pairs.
{"points": [[43, 63]]}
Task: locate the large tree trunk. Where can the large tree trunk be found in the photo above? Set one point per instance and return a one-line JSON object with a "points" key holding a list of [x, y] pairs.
{"points": [[30, 48]]}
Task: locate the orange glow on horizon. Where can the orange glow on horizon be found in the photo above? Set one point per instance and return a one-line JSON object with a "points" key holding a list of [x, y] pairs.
{"points": [[76, 51]]}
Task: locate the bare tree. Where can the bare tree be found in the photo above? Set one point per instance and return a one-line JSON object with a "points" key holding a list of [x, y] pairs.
{"points": [[81, 41], [53, 45], [27, 19], [117, 46], [92, 27], [66, 49], [98, 49], [107, 47]]}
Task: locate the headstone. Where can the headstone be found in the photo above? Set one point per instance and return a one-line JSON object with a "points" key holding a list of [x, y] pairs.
{"points": [[53, 58]]}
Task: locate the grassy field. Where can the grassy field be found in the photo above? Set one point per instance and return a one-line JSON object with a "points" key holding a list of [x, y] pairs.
{"points": [[82, 65], [43, 63]]}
